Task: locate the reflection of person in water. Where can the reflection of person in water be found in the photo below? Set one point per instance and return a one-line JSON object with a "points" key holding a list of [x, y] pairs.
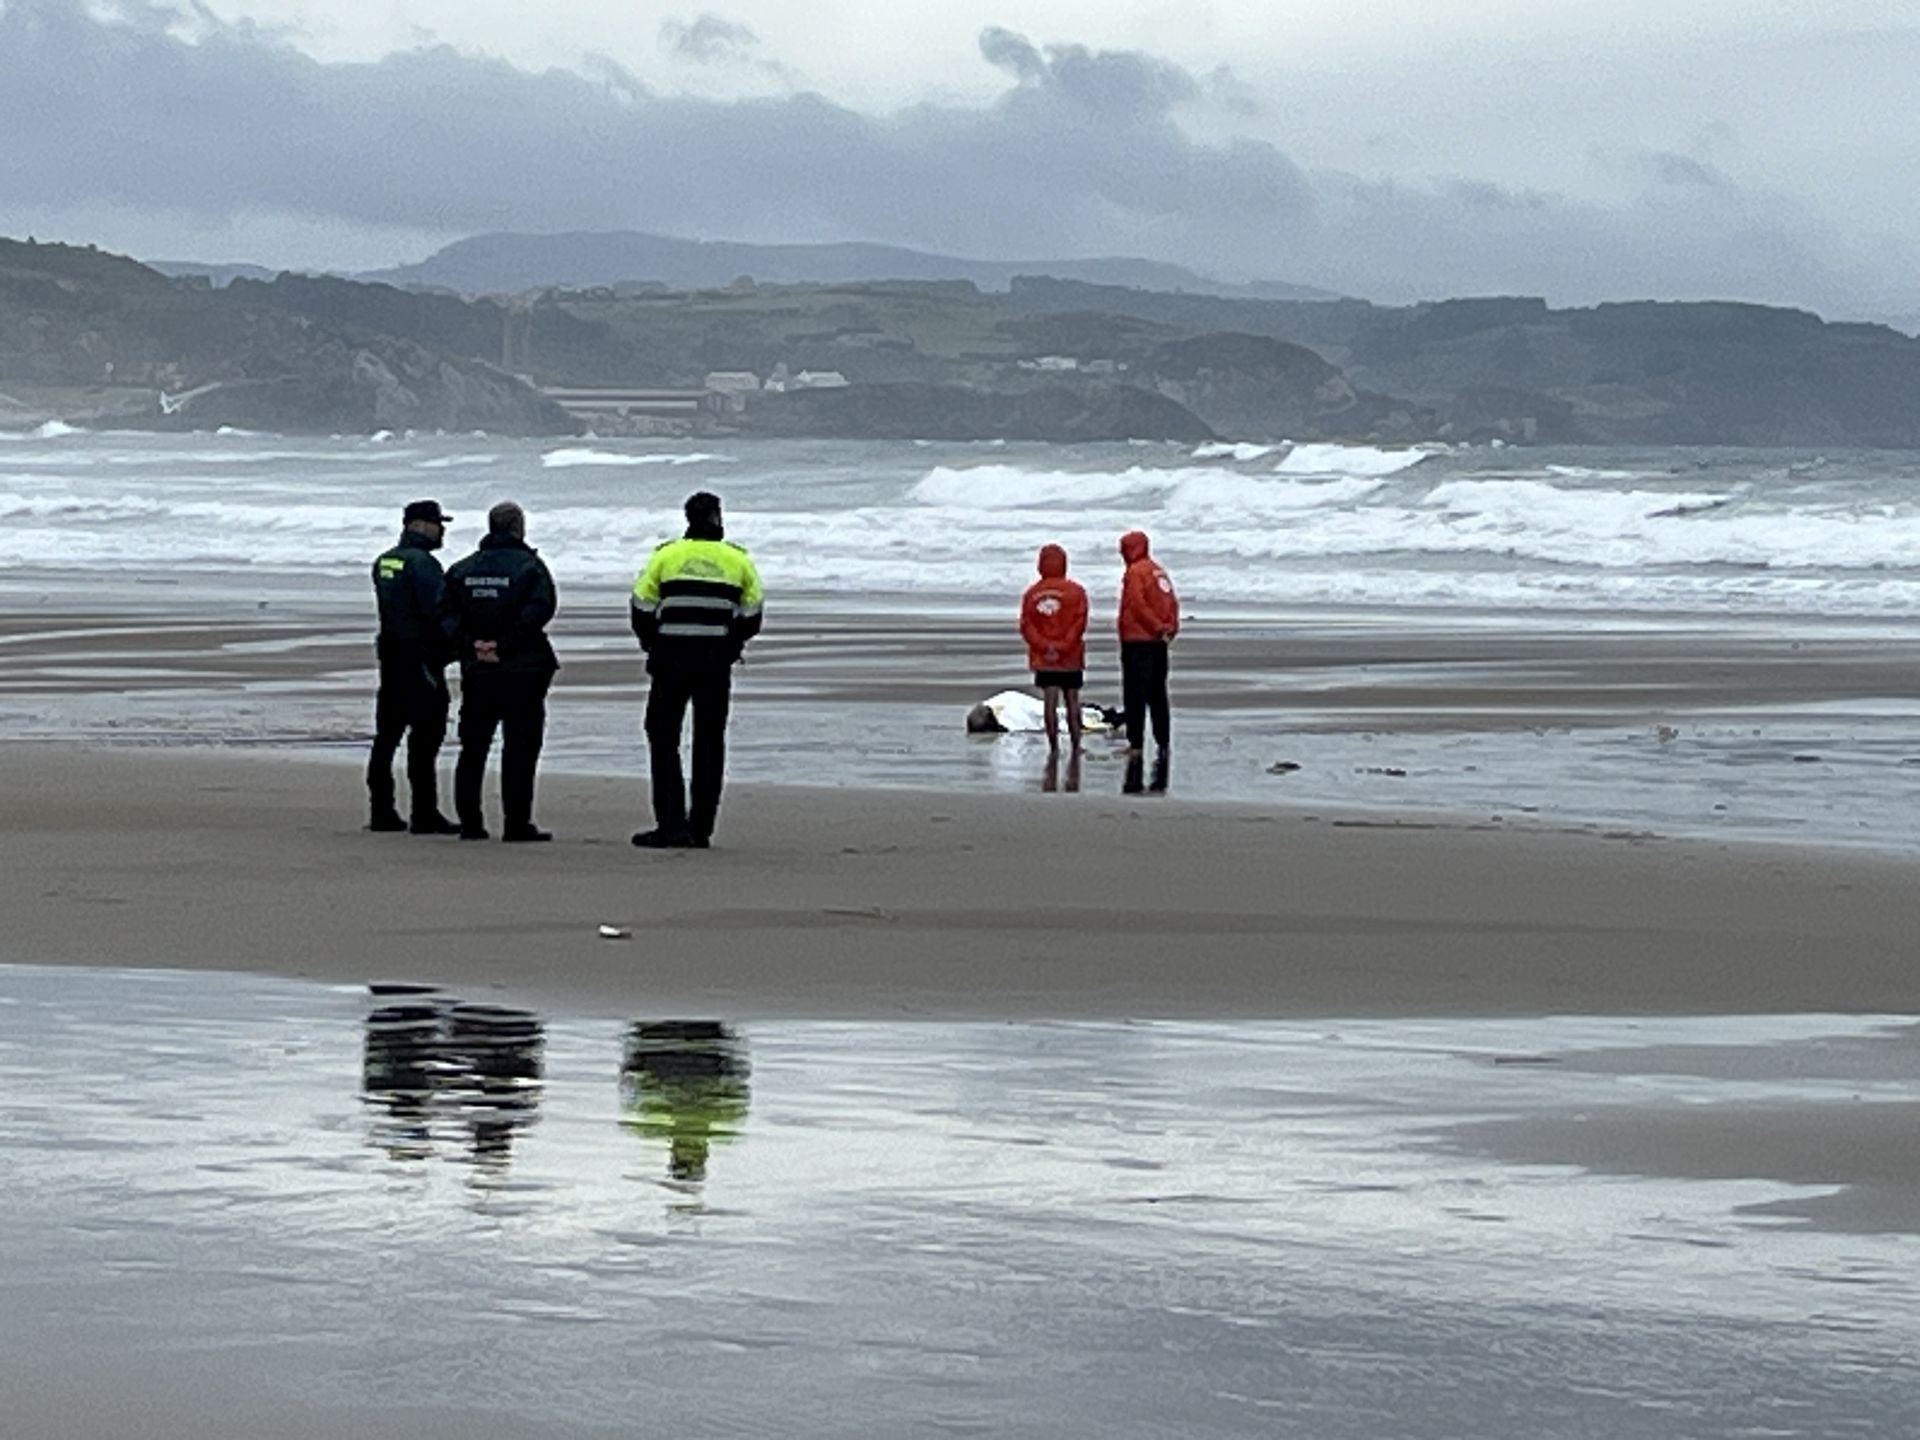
{"points": [[398, 1073], [494, 1056], [1050, 777], [1136, 781], [428, 1057], [684, 1081]]}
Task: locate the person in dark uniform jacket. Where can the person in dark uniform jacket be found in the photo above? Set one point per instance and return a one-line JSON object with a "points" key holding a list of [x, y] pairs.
{"points": [[695, 607], [502, 598], [414, 647]]}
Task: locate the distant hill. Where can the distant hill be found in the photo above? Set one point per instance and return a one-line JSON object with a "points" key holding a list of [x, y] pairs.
{"points": [[1510, 368], [91, 336], [504, 264], [1636, 372], [216, 275], [94, 338], [915, 411]]}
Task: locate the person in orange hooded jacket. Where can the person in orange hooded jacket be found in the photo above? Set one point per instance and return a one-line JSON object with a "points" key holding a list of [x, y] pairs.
{"points": [[1149, 619], [1053, 622]]}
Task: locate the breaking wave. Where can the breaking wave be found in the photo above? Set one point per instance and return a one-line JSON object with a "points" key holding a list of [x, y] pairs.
{"points": [[1188, 492], [1241, 450], [1014, 487], [1348, 460], [578, 457], [457, 462]]}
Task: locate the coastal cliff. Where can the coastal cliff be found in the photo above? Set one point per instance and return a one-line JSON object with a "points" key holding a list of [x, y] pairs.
{"points": [[96, 338]]}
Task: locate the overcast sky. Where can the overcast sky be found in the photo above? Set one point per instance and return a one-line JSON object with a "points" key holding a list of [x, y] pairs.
{"points": [[1398, 149]]}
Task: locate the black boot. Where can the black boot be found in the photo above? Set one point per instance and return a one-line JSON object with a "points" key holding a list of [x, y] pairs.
{"points": [[663, 840]]}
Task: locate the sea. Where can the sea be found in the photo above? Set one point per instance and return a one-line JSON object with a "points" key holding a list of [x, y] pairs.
{"points": [[1788, 536], [1703, 641]]}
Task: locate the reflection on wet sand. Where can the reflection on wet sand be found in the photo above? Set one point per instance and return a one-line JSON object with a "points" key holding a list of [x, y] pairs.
{"points": [[1051, 780], [685, 1082], [435, 1065], [1137, 782], [1073, 1230]]}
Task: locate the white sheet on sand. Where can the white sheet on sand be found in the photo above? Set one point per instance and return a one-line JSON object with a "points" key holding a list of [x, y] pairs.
{"points": [[1019, 712]]}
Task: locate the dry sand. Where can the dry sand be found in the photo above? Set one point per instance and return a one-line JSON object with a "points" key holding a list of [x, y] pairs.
{"points": [[868, 903]]}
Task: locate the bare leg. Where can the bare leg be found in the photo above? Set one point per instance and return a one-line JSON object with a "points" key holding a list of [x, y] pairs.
{"points": [[1073, 716], [1050, 698]]}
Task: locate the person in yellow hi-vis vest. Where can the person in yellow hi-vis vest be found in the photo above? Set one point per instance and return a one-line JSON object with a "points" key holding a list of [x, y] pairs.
{"points": [[695, 607]]}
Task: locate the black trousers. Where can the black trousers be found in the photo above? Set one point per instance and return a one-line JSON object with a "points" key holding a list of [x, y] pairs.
{"points": [[709, 690], [515, 704], [412, 702], [1143, 690]]}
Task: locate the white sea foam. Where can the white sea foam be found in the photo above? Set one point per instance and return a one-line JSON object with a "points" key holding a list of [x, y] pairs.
{"points": [[1584, 472], [576, 457], [1347, 460], [457, 462], [1463, 530], [54, 430], [1233, 450], [42, 504], [1189, 493], [1015, 487]]}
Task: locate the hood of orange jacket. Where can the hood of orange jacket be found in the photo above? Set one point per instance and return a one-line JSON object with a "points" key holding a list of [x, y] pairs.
{"points": [[1149, 610], [1053, 562]]}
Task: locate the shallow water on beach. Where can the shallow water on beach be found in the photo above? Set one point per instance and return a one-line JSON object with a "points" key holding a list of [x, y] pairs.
{"points": [[1676, 729], [339, 1212]]}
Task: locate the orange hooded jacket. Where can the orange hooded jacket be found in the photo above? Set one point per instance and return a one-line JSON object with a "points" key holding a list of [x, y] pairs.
{"points": [[1053, 616], [1149, 610]]}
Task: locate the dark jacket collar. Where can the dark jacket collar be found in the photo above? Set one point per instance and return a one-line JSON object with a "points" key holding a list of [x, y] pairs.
{"points": [[505, 542], [414, 540], [700, 531]]}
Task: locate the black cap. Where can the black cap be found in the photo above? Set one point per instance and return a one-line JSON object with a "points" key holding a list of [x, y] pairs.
{"points": [[426, 510]]}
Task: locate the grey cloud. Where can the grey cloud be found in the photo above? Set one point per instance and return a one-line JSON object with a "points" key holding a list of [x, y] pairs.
{"points": [[1232, 93], [1671, 169], [1115, 82], [1660, 167], [1013, 53], [709, 40], [1103, 82], [1084, 154], [620, 83], [1473, 237]]}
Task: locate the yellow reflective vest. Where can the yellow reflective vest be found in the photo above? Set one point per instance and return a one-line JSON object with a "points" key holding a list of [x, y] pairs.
{"points": [[698, 601]]}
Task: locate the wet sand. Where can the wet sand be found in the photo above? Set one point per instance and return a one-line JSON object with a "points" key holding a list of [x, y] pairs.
{"points": [[1680, 726], [1329, 670], [837, 903], [243, 1206]]}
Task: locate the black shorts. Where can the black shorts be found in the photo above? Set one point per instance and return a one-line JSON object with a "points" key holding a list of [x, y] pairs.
{"points": [[1058, 679]]}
